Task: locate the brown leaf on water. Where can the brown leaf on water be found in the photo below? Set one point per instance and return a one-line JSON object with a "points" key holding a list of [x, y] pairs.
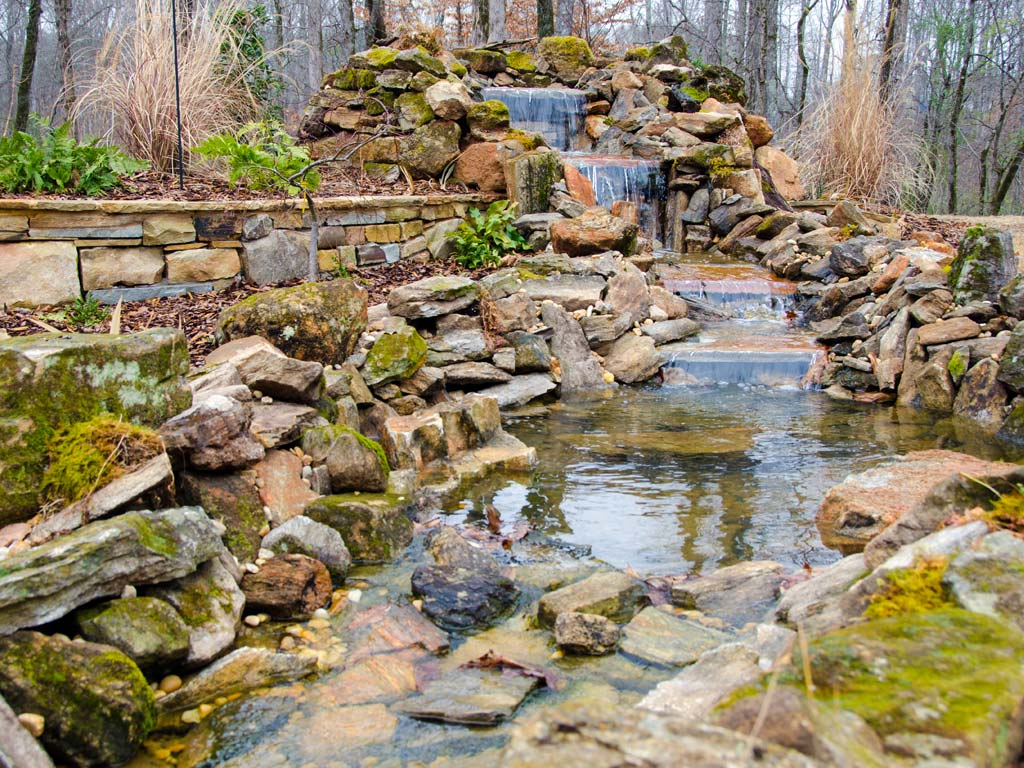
{"points": [[493, 519], [506, 666]]}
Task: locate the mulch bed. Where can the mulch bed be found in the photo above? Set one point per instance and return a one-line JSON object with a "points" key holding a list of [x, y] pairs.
{"points": [[196, 314], [951, 231]]}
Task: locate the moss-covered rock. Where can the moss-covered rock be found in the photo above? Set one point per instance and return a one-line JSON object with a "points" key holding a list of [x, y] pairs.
{"points": [[318, 322], [521, 61], [395, 356], [568, 57], [720, 83], [234, 500], [1011, 364], [422, 80], [529, 177], [354, 461], [413, 110], [379, 100], [639, 53], [374, 525], [428, 150], [529, 140], [488, 120], [97, 705], [374, 58], [484, 61], [149, 631], [352, 79], [419, 59], [984, 263]]}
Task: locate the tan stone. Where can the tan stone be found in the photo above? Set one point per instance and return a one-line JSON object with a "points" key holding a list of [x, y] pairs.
{"points": [[784, 170], [282, 488], [226, 244], [202, 264], [60, 219], [38, 274], [579, 185], [107, 267], [481, 165], [595, 125], [401, 213], [383, 233], [758, 129], [118, 242], [184, 247], [167, 230], [746, 183], [13, 223], [411, 229]]}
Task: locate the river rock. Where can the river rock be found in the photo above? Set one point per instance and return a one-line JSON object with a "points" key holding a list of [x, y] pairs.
{"points": [[213, 435], [633, 359], [266, 369], [470, 697], [235, 501], [520, 390], [46, 582], [814, 603], [981, 396], [282, 488], [283, 423], [571, 292], [616, 735], [596, 231], [864, 504], [241, 670], [586, 634], [984, 263], [611, 594], [580, 370], [210, 603], [667, 331], [433, 296], [394, 356], [288, 586], [469, 376], [374, 526], [149, 631], [736, 594], [985, 577], [673, 306], [460, 599], [627, 295], [304, 536], [97, 706], [945, 331], [658, 637], [18, 747], [354, 462], [318, 322], [51, 380]]}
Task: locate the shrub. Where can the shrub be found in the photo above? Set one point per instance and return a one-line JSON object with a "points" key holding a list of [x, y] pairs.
{"points": [[262, 156], [483, 238], [55, 161]]}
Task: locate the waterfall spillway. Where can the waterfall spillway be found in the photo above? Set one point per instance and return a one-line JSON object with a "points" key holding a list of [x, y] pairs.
{"points": [[555, 113], [631, 179]]}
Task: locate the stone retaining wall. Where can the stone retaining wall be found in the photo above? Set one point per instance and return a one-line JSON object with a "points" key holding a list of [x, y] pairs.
{"points": [[54, 251]]}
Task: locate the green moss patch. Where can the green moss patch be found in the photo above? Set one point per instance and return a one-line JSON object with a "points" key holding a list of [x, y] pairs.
{"points": [[1007, 512], [911, 590]]}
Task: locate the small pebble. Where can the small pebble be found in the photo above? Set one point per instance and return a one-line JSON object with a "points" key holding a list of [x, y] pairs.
{"points": [[265, 554], [355, 595], [417, 604], [128, 592], [267, 400], [205, 709], [264, 530], [190, 716], [287, 643], [158, 694], [252, 568], [321, 613], [220, 701], [260, 561], [251, 621], [32, 723], [170, 684], [257, 394]]}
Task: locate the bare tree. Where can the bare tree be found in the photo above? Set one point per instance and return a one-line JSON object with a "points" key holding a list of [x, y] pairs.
{"points": [[28, 65]]}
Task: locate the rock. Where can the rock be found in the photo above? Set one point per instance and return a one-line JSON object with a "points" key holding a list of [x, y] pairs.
{"points": [[288, 586], [945, 331], [529, 178], [981, 396], [784, 172], [281, 485], [282, 423], [107, 267], [457, 343], [610, 593], [46, 582], [473, 376], [413, 110], [596, 231], [892, 350], [18, 746], [470, 697], [571, 292], [667, 331], [736, 594], [586, 634], [480, 165], [281, 256], [21, 265], [1011, 363], [242, 670], [984, 264], [531, 352], [301, 535], [611, 735], [48, 381], [633, 359], [354, 462], [658, 637], [418, 59], [813, 603], [460, 599], [847, 214], [672, 305], [149, 631], [1011, 297], [580, 371], [857, 256], [517, 312], [374, 526], [210, 603], [97, 706], [567, 57], [319, 322], [488, 120], [627, 295], [864, 504], [212, 435], [432, 297], [265, 368], [520, 390], [985, 578], [725, 217], [428, 150], [201, 264]]}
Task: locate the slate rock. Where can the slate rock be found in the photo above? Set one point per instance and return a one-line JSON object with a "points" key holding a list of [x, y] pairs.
{"points": [[304, 536], [149, 631]]}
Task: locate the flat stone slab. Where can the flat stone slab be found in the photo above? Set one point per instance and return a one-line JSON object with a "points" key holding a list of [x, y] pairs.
{"points": [[146, 292], [520, 390], [470, 697], [736, 594], [612, 594], [660, 638]]}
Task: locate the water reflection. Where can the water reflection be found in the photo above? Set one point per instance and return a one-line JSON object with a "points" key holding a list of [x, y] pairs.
{"points": [[676, 478]]}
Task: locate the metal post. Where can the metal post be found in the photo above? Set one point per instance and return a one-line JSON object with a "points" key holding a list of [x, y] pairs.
{"points": [[177, 96]]}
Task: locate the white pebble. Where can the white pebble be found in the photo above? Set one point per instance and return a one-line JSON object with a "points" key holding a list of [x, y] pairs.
{"points": [[265, 554], [190, 716], [355, 595], [267, 400], [252, 568], [128, 592], [251, 621]]}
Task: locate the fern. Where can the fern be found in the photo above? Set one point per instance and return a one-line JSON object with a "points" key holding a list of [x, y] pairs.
{"points": [[483, 238], [262, 156]]}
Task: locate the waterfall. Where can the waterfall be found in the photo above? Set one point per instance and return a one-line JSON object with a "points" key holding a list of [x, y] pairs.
{"points": [[637, 181], [555, 113]]}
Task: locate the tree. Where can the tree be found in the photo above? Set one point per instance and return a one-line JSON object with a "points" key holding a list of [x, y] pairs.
{"points": [[376, 32], [64, 58], [892, 44], [545, 18], [28, 65], [496, 21]]}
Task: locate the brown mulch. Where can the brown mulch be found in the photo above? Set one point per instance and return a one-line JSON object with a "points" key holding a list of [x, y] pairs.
{"points": [[196, 314], [951, 231]]}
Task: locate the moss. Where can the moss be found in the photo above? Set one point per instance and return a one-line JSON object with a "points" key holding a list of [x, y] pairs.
{"points": [[395, 356], [700, 95], [568, 56], [156, 536], [375, 58], [369, 444], [911, 590], [458, 69], [957, 365], [846, 232], [1007, 512], [530, 141], [413, 109], [351, 79], [88, 455], [640, 53], [520, 61], [378, 100], [719, 169], [488, 115]]}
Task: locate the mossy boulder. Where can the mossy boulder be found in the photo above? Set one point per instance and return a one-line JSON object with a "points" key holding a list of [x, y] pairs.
{"points": [[529, 140], [318, 322], [394, 356], [984, 264], [568, 57], [235, 501], [529, 177], [352, 79], [419, 59], [97, 705], [53, 380], [488, 120], [378, 100], [672, 50], [520, 61], [375, 58], [428, 150], [483, 61], [354, 462], [374, 525], [413, 110], [951, 673], [149, 631], [720, 83]]}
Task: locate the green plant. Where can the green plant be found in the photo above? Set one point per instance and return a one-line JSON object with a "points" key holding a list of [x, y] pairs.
{"points": [[81, 313], [55, 161], [911, 590], [263, 156], [483, 238]]}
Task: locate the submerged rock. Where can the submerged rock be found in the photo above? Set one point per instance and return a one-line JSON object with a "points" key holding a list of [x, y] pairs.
{"points": [[460, 599], [658, 637], [97, 705], [470, 697], [287, 587], [586, 634], [736, 594]]}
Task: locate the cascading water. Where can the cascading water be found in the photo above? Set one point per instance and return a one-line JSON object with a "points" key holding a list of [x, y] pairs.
{"points": [[556, 113], [632, 179]]}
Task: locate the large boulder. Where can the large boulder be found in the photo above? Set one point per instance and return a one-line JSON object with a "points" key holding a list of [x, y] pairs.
{"points": [[99, 560], [596, 231], [303, 536], [529, 178], [96, 704], [567, 57], [374, 526], [427, 151], [433, 297], [580, 370], [147, 630], [783, 170], [353, 462], [984, 263], [320, 322], [52, 380]]}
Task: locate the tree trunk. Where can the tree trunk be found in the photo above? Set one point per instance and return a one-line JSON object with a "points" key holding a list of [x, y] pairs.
{"points": [[347, 32], [957, 109], [892, 45], [1006, 178], [314, 31], [563, 19], [545, 18], [496, 21], [805, 67], [480, 22], [849, 40], [376, 32], [28, 65], [64, 60], [714, 29]]}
